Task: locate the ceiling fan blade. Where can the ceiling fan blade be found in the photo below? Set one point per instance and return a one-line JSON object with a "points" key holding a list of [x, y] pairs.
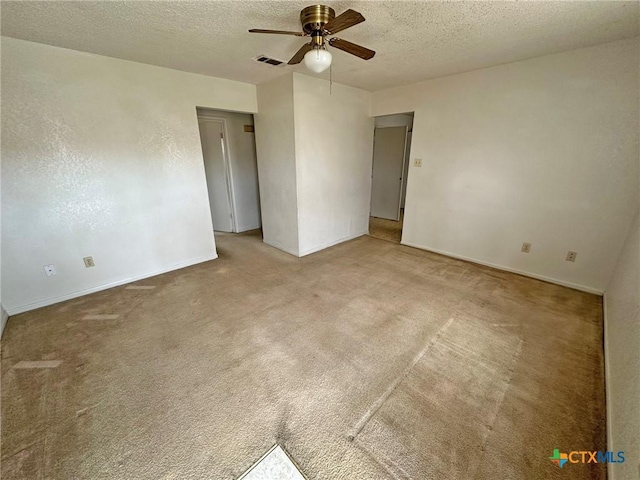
{"points": [[343, 21], [276, 32], [352, 48], [297, 58]]}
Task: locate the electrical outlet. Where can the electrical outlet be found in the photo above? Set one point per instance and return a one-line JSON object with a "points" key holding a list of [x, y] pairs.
{"points": [[526, 247], [88, 262], [50, 270], [417, 162], [571, 256]]}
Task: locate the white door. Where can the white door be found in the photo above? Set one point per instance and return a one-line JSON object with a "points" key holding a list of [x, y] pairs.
{"points": [[215, 165], [386, 180]]}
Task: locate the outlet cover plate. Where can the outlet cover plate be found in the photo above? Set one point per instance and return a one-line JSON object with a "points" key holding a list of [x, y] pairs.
{"points": [[50, 270]]}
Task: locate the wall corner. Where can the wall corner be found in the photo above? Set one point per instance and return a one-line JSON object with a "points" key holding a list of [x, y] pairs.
{"points": [[3, 321]]}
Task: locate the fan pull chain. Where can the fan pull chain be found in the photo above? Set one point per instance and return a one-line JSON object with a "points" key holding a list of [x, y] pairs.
{"points": [[330, 79]]}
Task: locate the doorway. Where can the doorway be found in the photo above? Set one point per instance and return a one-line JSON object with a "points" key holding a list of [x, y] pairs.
{"points": [[231, 171], [391, 152]]}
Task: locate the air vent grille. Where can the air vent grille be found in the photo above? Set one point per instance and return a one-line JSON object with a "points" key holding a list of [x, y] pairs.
{"points": [[271, 61]]}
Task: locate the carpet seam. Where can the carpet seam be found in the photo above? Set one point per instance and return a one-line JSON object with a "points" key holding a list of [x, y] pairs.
{"points": [[382, 463], [389, 391], [516, 354]]}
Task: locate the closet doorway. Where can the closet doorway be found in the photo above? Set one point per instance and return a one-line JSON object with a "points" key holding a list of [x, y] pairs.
{"points": [[229, 154], [391, 152]]}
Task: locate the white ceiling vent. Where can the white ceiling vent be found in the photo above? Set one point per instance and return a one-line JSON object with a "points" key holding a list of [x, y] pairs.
{"points": [[271, 61]]}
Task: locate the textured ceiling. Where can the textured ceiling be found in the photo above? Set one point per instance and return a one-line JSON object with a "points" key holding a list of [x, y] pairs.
{"points": [[414, 41]]}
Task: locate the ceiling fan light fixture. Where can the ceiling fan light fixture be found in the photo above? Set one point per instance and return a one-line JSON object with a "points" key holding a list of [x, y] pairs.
{"points": [[319, 22], [317, 60]]}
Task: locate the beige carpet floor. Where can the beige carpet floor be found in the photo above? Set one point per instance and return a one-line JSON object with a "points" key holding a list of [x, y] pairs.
{"points": [[384, 229], [368, 360]]}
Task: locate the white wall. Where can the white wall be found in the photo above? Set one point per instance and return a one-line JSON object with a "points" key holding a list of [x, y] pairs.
{"points": [[314, 162], [244, 168], [622, 350], [101, 157], [3, 313], [275, 146], [542, 151], [334, 151]]}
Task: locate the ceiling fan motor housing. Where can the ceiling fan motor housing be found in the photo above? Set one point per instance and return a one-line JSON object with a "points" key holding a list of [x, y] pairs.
{"points": [[315, 17]]}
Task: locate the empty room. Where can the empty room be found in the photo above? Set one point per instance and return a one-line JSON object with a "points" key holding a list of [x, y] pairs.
{"points": [[354, 240]]}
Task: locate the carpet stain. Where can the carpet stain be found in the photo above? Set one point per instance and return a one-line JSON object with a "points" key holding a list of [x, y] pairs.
{"points": [[100, 317], [24, 364]]}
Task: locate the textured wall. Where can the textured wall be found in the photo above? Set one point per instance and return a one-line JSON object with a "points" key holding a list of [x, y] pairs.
{"points": [[314, 161], [275, 145], [101, 157], [622, 336], [541, 151], [334, 151]]}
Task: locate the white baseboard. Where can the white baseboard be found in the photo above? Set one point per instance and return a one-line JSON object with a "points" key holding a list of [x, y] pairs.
{"points": [[248, 228], [607, 392], [311, 250], [3, 322], [330, 244], [575, 286], [288, 250], [80, 293]]}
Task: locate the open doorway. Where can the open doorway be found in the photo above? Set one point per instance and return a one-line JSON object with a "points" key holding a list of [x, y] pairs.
{"points": [[391, 152], [229, 154]]}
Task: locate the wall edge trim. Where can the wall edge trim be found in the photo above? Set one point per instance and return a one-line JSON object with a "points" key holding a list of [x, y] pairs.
{"points": [[248, 228], [607, 385], [3, 320], [331, 244], [280, 247], [50, 301], [562, 283]]}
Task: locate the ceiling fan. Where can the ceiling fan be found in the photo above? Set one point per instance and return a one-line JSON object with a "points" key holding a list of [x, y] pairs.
{"points": [[319, 22]]}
